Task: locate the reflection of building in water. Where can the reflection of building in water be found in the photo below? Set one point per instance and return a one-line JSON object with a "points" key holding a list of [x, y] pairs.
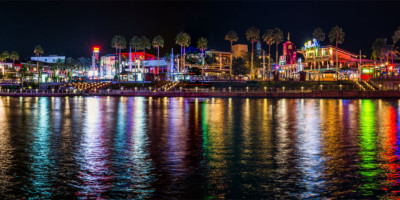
{"points": [[40, 152], [309, 146], [94, 155], [332, 140], [369, 168], [216, 148], [5, 147], [391, 152]]}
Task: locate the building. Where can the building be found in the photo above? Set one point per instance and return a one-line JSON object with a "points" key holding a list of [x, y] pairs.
{"points": [[288, 62], [320, 62], [48, 59], [219, 60], [133, 71], [239, 50]]}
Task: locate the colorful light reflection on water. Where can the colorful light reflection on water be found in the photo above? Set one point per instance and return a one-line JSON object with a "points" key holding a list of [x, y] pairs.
{"points": [[163, 148]]}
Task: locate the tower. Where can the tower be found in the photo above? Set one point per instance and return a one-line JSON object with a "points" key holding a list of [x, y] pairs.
{"points": [[289, 51]]}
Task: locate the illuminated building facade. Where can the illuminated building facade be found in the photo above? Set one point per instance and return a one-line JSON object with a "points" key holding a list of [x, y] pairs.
{"points": [[321, 61], [288, 66], [48, 59], [107, 65], [220, 61], [239, 50]]}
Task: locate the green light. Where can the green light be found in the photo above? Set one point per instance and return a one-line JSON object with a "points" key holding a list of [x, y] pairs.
{"points": [[368, 152]]}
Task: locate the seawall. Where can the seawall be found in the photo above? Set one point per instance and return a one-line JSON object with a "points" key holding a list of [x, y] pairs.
{"points": [[313, 94]]}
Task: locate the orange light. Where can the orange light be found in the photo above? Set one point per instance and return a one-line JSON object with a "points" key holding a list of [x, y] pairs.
{"points": [[96, 49]]}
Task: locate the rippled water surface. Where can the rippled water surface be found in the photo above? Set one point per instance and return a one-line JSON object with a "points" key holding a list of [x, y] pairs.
{"points": [[185, 148]]}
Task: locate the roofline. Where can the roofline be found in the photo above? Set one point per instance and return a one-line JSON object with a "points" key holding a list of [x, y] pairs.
{"points": [[339, 49]]}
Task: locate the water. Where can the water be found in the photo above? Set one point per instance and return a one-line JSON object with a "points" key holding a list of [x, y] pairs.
{"points": [[185, 148]]}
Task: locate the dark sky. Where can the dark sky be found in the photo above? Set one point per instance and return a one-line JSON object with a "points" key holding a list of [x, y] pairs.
{"points": [[71, 28]]}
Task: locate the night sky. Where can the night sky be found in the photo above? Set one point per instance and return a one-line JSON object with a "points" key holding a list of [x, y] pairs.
{"points": [[71, 28]]}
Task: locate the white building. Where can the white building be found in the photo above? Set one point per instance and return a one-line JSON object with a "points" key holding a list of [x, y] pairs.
{"points": [[48, 59]]}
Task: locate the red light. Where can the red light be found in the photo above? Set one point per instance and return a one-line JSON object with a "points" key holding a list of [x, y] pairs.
{"points": [[391, 67], [96, 49]]}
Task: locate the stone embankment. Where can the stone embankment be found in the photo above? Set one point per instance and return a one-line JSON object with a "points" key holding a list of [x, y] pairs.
{"points": [[313, 94]]}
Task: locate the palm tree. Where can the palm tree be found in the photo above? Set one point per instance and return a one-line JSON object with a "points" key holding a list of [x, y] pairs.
{"points": [[81, 64], [3, 56], [134, 42], [186, 43], [183, 39], [319, 35], [23, 70], [158, 42], [278, 38], [71, 65], [14, 56], [118, 42], [231, 36], [38, 50], [180, 41], [378, 48], [143, 45], [396, 35], [202, 45], [252, 35], [336, 35], [268, 38], [395, 39], [114, 44]]}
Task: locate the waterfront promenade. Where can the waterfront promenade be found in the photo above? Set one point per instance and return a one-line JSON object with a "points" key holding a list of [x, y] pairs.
{"points": [[206, 94]]}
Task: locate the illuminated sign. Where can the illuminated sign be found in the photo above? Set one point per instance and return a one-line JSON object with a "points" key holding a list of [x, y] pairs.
{"points": [[367, 71], [311, 44], [96, 49]]}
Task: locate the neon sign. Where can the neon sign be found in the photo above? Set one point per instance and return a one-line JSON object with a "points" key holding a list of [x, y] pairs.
{"points": [[96, 49], [367, 71], [311, 44]]}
